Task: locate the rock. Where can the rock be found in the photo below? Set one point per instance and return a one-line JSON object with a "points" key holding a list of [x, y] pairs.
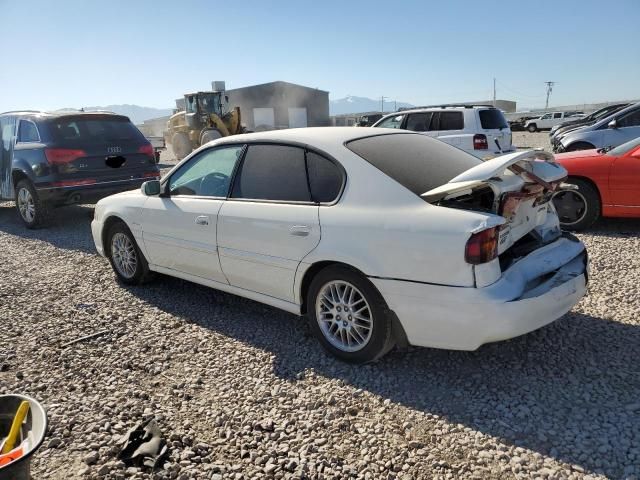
{"points": [[91, 458]]}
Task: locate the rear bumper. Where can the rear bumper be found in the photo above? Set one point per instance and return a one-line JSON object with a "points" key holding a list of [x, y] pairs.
{"points": [[87, 193], [531, 294]]}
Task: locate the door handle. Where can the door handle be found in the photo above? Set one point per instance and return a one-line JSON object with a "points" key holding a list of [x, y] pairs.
{"points": [[202, 220], [300, 230]]}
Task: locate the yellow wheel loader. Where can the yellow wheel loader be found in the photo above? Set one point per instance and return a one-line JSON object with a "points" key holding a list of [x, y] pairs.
{"points": [[205, 116]]}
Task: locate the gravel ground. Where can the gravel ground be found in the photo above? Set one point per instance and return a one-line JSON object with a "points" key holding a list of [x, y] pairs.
{"points": [[243, 391]]}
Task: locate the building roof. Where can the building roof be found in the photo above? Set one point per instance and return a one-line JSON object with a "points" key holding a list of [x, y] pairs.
{"points": [[278, 83]]}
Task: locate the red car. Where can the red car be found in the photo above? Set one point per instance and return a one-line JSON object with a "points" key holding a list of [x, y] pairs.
{"points": [[608, 184]]}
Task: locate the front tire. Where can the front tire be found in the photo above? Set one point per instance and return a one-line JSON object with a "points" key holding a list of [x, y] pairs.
{"points": [[348, 315], [33, 211], [125, 257], [577, 209], [532, 128], [181, 145], [210, 136]]}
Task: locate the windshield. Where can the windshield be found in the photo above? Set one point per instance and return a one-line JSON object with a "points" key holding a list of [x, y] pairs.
{"points": [[417, 162], [210, 103], [625, 148]]}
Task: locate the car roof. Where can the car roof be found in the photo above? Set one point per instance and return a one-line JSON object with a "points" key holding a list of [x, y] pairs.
{"points": [[61, 113], [314, 136]]}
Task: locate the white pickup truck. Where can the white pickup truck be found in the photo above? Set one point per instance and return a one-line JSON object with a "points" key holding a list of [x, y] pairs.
{"points": [[550, 120]]}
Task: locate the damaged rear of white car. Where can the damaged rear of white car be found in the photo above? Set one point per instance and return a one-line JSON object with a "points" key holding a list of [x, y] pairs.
{"points": [[516, 272]]}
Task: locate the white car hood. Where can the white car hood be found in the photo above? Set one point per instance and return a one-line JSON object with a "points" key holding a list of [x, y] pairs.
{"points": [[539, 163]]}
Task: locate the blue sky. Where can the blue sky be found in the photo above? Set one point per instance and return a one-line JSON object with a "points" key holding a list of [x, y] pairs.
{"points": [[84, 53]]}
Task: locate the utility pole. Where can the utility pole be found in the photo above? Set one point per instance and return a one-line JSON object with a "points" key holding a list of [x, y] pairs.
{"points": [[382, 104], [494, 92], [549, 90]]}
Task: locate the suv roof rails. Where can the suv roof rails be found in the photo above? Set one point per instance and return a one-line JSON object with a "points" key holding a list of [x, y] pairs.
{"points": [[22, 111], [449, 105]]}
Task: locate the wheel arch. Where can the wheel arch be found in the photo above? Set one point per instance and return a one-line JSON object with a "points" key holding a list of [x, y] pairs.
{"points": [[590, 182], [568, 147], [17, 175], [397, 331], [108, 223]]}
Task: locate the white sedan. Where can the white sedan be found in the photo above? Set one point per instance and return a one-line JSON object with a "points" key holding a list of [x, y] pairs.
{"points": [[380, 237]]}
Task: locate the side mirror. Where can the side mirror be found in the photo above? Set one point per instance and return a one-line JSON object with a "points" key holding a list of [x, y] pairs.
{"points": [[612, 124], [151, 188]]}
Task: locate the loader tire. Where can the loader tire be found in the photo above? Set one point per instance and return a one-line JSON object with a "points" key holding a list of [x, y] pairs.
{"points": [[181, 145]]}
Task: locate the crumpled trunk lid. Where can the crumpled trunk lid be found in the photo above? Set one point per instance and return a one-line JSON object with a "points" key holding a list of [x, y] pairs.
{"points": [[517, 187]]}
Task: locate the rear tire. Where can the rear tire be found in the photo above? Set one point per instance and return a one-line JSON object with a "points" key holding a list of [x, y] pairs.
{"points": [[33, 211], [577, 209], [209, 136], [125, 256], [532, 128], [181, 145], [348, 315], [574, 147]]}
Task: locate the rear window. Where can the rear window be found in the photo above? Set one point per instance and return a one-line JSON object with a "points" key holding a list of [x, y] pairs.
{"points": [[492, 119], [94, 129], [415, 161]]}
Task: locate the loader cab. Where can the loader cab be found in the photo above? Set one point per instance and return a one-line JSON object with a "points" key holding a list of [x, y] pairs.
{"points": [[200, 106]]}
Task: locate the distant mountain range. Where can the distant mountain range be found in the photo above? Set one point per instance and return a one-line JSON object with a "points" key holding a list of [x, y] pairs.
{"points": [[353, 104], [349, 104], [136, 113]]}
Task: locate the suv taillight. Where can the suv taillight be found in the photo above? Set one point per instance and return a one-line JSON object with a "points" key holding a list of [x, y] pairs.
{"points": [[482, 247], [60, 156], [480, 142], [147, 149]]}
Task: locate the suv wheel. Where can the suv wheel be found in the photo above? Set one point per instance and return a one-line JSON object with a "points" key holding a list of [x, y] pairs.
{"points": [[348, 315], [33, 212], [532, 128]]}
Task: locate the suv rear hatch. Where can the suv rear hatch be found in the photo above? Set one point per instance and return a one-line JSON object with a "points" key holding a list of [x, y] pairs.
{"points": [[95, 148], [496, 128], [516, 187]]}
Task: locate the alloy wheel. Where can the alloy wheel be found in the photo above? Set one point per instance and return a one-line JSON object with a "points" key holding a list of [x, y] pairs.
{"points": [[344, 316], [26, 205], [124, 256]]}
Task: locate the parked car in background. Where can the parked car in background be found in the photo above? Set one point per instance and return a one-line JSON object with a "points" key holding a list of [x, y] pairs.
{"points": [[550, 120], [53, 159], [588, 120], [458, 252], [369, 119], [607, 181], [609, 132], [480, 130]]}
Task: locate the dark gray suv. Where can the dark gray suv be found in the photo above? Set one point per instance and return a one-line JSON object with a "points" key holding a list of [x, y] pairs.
{"points": [[62, 158]]}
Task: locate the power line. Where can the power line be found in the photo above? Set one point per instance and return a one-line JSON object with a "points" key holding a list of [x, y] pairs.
{"points": [[518, 93]]}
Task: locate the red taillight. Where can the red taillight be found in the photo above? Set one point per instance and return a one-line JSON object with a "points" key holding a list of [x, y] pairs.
{"points": [[59, 156], [147, 149], [482, 247], [480, 142]]}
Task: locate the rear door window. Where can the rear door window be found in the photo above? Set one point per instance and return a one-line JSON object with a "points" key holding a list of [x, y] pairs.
{"points": [[450, 121], [492, 119], [325, 178], [272, 172], [28, 132], [418, 122]]}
